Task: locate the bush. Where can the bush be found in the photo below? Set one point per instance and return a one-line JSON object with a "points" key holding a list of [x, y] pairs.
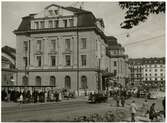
{"points": [[108, 116]]}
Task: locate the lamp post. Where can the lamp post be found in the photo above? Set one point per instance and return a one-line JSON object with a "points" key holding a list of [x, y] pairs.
{"points": [[77, 56], [99, 78]]}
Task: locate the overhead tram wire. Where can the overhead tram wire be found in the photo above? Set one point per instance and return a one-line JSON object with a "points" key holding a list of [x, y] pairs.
{"points": [[144, 40], [126, 33]]}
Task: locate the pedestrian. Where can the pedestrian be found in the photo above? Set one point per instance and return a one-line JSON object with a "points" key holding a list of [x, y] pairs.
{"points": [[145, 108], [46, 96], [163, 103], [122, 101], [117, 99], [152, 113], [21, 98], [60, 96], [133, 109]]}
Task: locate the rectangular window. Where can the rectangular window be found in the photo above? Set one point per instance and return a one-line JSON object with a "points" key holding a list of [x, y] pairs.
{"points": [[50, 24], [39, 61], [161, 74], [155, 74], [56, 23], [155, 70], [51, 12], [71, 22], [25, 45], [42, 25], [115, 72], [68, 60], [36, 25], [25, 61], [53, 44], [83, 60], [83, 43], [65, 23], [115, 63], [53, 60], [39, 45], [67, 44], [56, 12]]}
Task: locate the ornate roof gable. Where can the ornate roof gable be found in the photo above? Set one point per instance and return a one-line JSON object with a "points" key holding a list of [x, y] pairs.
{"points": [[54, 10]]}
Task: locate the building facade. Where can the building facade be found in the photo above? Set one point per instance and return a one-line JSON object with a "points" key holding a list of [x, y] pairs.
{"points": [[149, 72], [136, 71], [8, 62], [63, 47], [154, 72]]}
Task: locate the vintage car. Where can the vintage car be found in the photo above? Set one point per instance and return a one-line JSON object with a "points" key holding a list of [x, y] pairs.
{"points": [[97, 98]]}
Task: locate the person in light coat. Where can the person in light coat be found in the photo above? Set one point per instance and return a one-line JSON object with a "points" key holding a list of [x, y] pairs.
{"points": [[21, 98], [60, 96], [133, 110]]}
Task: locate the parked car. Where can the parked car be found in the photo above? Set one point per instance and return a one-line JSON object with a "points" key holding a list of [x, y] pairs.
{"points": [[97, 98]]}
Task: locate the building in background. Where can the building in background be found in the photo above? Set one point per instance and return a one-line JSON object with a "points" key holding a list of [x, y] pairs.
{"points": [[136, 71], [118, 61], [8, 62], [154, 72], [147, 72]]}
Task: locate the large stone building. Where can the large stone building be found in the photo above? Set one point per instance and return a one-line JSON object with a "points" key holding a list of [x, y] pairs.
{"points": [[118, 61], [63, 47], [154, 72], [8, 62], [149, 72]]}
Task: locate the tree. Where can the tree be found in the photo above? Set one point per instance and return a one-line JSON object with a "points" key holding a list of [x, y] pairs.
{"points": [[137, 12]]}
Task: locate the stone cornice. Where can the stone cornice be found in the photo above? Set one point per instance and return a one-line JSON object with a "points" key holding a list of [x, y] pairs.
{"points": [[59, 70], [9, 70], [67, 29]]}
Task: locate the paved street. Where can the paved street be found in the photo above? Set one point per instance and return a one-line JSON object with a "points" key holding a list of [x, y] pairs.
{"points": [[63, 111]]}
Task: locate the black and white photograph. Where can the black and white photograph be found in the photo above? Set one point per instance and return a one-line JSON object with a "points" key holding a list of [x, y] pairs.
{"points": [[83, 61]]}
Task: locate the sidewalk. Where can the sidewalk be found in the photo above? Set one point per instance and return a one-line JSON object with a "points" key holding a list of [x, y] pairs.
{"points": [[13, 104]]}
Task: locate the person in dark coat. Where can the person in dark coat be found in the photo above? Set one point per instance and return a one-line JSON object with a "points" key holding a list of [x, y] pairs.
{"points": [[28, 96], [122, 101], [163, 103], [152, 113]]}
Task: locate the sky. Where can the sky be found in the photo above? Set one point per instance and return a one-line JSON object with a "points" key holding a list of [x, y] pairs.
{"points": [[150, 35]]}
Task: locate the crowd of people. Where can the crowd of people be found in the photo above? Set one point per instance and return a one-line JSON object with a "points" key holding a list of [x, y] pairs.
{"points": [[34, 96]]}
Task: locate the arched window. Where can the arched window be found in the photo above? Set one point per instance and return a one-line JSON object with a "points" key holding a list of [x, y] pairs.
{"points": [[25, 81], [67, 82], [38, 81], [52, 81], [84, 82]]}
